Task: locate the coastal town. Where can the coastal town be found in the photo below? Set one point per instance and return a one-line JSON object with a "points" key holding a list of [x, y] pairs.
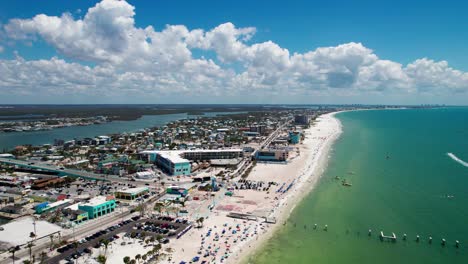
{"points": [[197, 189], [40, 124]]}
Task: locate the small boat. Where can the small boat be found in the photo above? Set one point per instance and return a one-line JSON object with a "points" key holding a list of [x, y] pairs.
{"points": [[337, 178]]}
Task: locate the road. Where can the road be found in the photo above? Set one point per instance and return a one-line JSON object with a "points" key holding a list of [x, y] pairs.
{"points": [[82, 231], [69, 172]]}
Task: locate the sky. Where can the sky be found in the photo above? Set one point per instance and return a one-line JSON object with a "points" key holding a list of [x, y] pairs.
{"points": [[295, 52]]}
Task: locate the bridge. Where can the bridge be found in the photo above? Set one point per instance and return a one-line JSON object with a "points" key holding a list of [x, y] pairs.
{"points": [[40, 166]]}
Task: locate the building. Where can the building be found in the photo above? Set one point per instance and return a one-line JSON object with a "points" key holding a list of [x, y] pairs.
{"points": [[176, 190], [48, 207], [98, 206], [294, 137], [145, 175], [209, 154], [46, 182], [272, 155], [301, 119], [178, 162], [74, 214], [131, 194], [172, 163]]}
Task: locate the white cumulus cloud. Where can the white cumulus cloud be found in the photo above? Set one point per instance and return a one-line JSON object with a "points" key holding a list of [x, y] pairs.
{"points": [[145, 63]]}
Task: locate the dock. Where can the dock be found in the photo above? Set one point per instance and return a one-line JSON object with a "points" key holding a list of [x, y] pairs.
{"points": [[392, 238]]}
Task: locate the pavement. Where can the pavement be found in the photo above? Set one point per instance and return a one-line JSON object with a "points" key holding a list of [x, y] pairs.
{"points": [[124, 229]]}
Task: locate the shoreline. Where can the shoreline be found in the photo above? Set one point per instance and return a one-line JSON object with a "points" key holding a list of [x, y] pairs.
{"points": [[222, 239], [305, 187]]}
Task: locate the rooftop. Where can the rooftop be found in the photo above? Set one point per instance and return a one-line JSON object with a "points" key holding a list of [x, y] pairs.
{"points": [[95, 201], [17, 232], [134, 190]]}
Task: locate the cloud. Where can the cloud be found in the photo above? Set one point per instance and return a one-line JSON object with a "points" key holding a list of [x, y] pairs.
{"points": [[1, 49], [145, 63]]}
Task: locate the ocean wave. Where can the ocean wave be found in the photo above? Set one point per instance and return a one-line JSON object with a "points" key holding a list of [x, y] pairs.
{"points": [[455, 158]]}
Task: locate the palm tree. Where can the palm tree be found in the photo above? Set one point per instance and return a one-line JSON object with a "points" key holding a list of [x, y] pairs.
{"points": [[126, 259], [30, 245], [12, 251], [156, 248], [101, 259], [138, 257], [144, 257], [106, 244], [158, 208], [51, 241], [200, 221], [132, 261], [43, 257]]}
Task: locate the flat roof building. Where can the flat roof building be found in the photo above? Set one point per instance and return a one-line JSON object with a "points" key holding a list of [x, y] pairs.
{"points": [[132, 193], [177, 162], [272, 155], [98, 206]]}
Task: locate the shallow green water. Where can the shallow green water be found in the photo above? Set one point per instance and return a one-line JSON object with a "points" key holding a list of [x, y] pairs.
{"points": [[406, 193]]}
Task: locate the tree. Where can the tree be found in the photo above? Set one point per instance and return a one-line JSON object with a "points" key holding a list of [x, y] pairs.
{"points": [[30, 245], [200, 220], [51, 241], [138, 257], [156, 248], [126, 259], [101, 259], [144, 257], [26, 261], [13, 251], [158, 207], [43, 257], [106, 245]]}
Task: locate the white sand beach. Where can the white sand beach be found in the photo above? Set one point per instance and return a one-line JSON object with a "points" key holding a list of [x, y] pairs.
{"points": [[227, 240]]}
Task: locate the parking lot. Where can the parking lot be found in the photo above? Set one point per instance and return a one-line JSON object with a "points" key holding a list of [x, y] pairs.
{"points": [[163, 228]]}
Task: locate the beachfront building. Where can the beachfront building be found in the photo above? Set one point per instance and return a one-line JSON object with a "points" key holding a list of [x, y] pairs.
{"points": [[301, 119], [272, 155], [210, 154], [131, 194], [294, 137], [177, 162], [98, 206]]}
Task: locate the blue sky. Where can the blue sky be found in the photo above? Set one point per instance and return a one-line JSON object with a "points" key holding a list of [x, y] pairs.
{"points": [[399, 31]]}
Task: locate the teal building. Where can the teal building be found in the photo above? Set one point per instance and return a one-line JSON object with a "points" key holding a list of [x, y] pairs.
{"points": [[294, 137], [98, 206]]}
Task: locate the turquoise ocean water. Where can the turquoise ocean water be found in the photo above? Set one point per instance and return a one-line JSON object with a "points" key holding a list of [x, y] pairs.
{"points": [[403, 181]]}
